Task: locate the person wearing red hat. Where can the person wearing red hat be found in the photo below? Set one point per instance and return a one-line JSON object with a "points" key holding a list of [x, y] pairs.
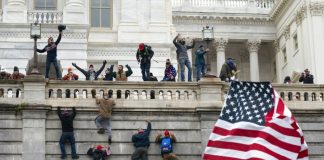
{"points": [[99, 152], [144, 55], [166, 143], [91, 74], [70, 75], [67, 131]]}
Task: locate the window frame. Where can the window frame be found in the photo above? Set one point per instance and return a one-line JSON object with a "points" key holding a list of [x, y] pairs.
{"points": [[110, 20], [55, 4], [284, 54]]}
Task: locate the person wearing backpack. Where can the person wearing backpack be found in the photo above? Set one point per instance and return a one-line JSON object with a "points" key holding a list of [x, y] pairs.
{"points": [[144, 55], [166, 145], [99, 152]]}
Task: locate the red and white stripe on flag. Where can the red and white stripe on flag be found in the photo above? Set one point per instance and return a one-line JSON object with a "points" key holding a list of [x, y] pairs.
{"points": [[279, 139]]}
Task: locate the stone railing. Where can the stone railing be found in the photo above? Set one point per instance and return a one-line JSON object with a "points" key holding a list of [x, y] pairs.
{"points": [[46, 16], [11, 89], [123, 91], [60, 90], [224, 3]]}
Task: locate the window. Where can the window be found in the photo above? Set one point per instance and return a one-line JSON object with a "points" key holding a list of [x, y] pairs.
{"points": [[295, 41], [101, 13], [45, 4], [284, 54]]}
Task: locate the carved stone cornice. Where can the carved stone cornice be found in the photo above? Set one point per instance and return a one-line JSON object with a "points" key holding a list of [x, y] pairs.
{"points": [[216, 19], [253, 45], [286, 32], [276, 45], [220, 44], [316, 8], [301, 14], [24, 34], [278, 8]]}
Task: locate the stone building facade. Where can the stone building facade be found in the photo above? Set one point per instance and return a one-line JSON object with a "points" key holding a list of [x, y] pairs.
{"points": [[269, 39]]}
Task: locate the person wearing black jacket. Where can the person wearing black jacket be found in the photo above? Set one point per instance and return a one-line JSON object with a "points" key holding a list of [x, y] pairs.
{"points": [[306, 77], [91, 74], [144, 55], [108, 75], [141, 142], [67, 131], [51, 49]]}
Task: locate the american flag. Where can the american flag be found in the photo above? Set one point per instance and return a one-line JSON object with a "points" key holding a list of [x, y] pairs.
{"points": [[255, 124]]}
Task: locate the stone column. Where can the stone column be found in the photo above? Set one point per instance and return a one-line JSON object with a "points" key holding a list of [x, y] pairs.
{"points": [[15, 11], [253, 47], [34, 134], [74, 12], [317, 23], [220, 45]]}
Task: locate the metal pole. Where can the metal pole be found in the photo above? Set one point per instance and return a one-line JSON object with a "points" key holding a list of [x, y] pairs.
{"points": [[35, 68]]}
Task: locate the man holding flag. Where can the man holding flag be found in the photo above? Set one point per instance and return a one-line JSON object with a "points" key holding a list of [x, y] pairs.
{"points": [[255, 124]]}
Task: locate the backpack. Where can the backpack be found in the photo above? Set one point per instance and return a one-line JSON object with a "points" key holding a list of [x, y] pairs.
{"points": [[98, 155], [166, 146]]}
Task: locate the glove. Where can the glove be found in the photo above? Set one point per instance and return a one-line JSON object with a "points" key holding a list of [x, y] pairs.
{"points": [[73, 64], [105, 62]]}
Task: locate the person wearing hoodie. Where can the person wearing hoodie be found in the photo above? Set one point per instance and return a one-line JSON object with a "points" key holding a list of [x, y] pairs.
{"points": [[141, 143], [91, 74], [228, 70], [67, 131], [108, 73], [144, 55], [70, 75]]}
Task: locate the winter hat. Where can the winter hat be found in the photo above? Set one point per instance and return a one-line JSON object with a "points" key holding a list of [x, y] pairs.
{"points": [[306, 70], [69, 69], [166, 133], [91, 66], [168, 61], [16, 68], [100, 147], [141, 46]]}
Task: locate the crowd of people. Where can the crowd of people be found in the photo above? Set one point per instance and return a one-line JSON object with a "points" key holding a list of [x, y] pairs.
{"points": [[140, 139], [144, 56]]}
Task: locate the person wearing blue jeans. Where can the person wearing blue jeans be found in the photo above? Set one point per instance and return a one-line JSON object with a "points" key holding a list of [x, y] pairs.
{"points": [[200, 61], [67, 132], [51, 49], [182, 54]]}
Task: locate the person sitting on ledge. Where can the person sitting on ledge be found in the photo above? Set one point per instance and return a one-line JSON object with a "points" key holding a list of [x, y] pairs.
{"points": [[91, 74], [16, 75], [169, 72], [3, 74], [122, 75], [70, 75]]}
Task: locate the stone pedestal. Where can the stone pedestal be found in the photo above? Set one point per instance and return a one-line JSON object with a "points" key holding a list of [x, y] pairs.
{"points": [[34, 89], [210, 89]]}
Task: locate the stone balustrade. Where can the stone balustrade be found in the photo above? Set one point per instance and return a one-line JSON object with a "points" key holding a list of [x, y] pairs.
{"points": [[267, 4], [60, 90], [46, 16]]}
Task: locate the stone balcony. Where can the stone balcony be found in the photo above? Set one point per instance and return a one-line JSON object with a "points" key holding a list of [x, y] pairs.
{"points": [[224, 6], [28, 115]]}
